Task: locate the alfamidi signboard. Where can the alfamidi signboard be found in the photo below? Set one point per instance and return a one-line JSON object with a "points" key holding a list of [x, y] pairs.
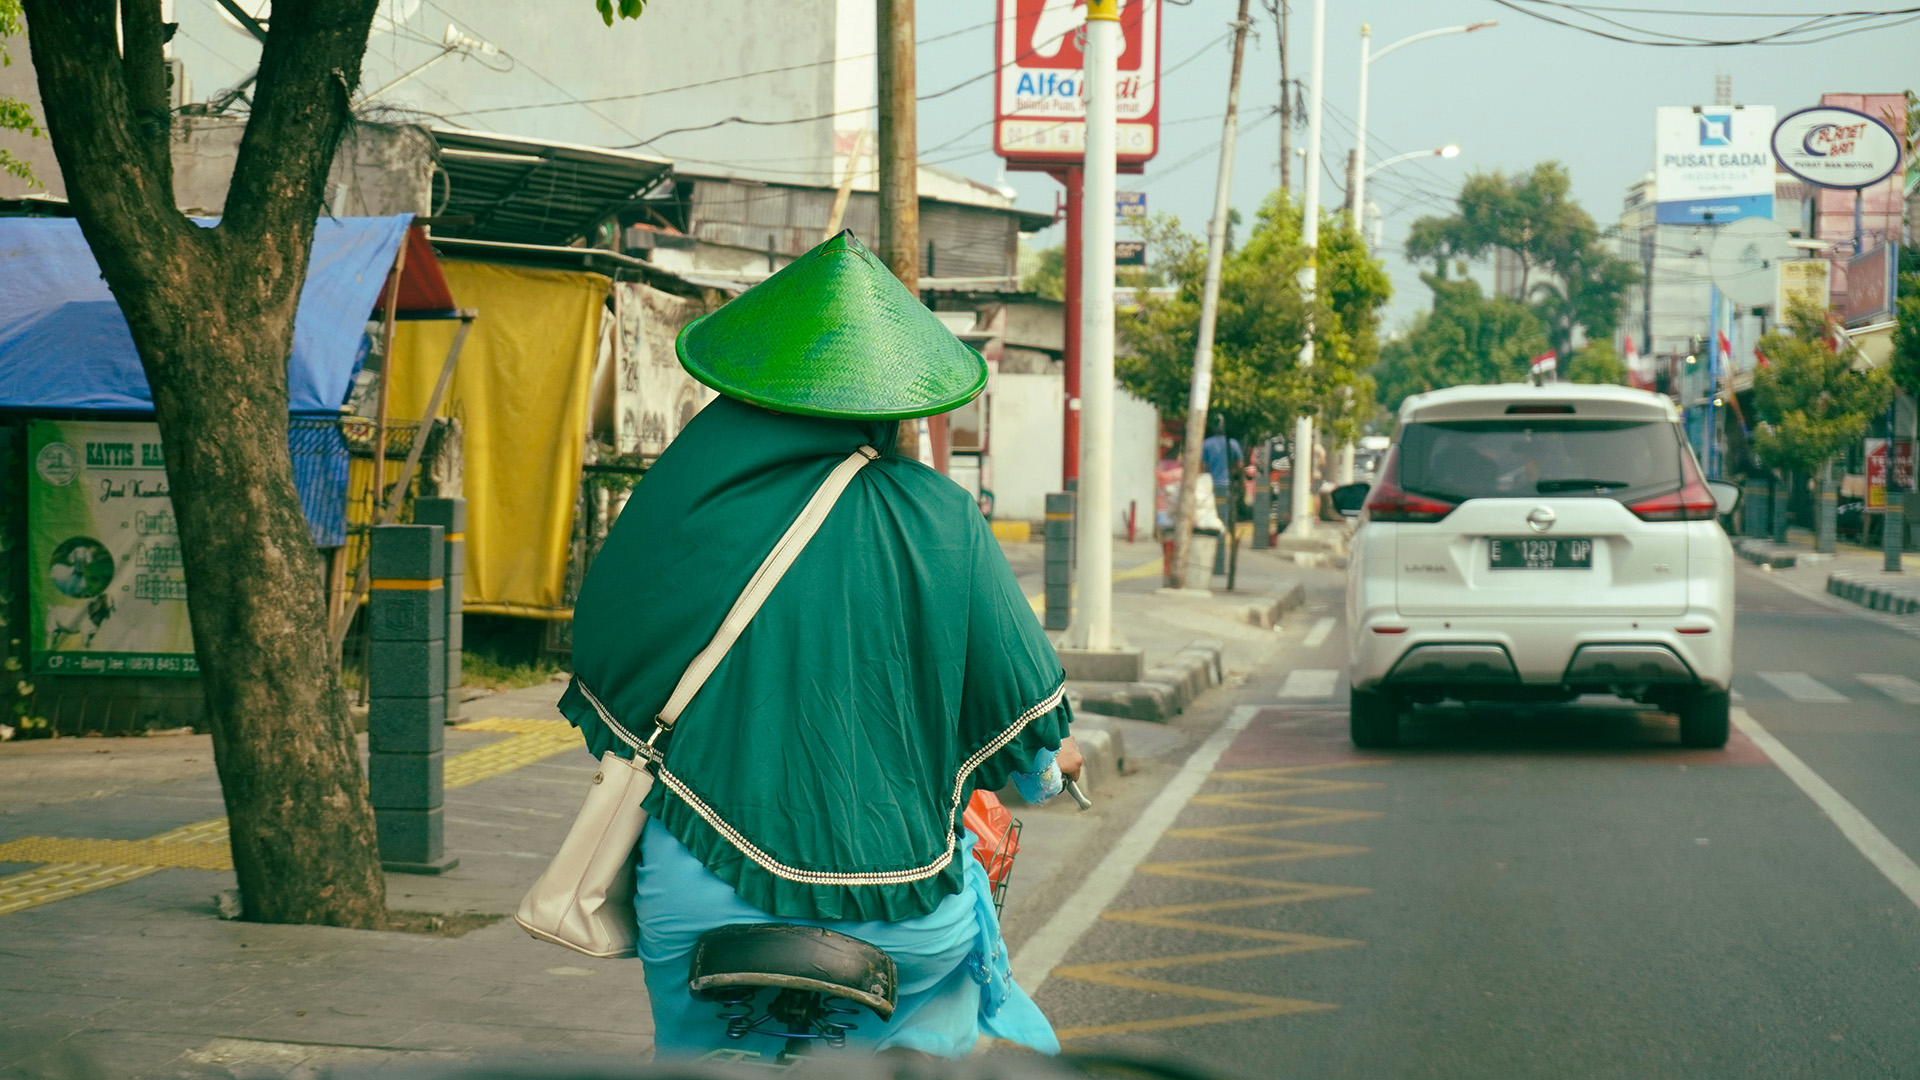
{"points": [[1039, 108], [108, 594], [1712, 163], [1831, 147]]}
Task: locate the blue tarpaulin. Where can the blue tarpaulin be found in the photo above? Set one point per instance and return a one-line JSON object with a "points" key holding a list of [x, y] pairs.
{"points": [[65, 346]]}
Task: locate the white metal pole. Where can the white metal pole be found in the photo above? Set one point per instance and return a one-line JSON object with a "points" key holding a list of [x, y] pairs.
{"points": [[1303, 502], [1360, 131], [1093, 629]]}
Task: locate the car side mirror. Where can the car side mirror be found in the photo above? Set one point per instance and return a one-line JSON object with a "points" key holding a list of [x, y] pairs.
{"points": [[1349, 498], [1725, 496]]}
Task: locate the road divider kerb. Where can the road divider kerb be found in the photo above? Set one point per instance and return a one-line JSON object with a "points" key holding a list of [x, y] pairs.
{"points": [[1168, 688], [1895, 594]]}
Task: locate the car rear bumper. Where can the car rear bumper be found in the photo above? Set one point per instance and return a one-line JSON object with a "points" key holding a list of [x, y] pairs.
{"points": [[1587, 654]]}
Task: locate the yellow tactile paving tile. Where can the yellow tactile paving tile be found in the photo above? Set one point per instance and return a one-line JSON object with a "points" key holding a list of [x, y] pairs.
{"points": [[76, 866], [1271, 787], [533, 740], [61, 849]]}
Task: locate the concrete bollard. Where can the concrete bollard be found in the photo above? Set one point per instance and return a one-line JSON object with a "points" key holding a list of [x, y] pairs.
{"points": [[1059, 560], [407, 700], [1753, 509], [451, 516]]}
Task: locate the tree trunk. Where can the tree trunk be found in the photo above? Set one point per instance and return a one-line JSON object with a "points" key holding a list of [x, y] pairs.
{"points": [[211, 312]]}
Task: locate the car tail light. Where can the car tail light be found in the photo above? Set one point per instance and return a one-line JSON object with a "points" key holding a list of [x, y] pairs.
{"points": [[1693, 502], [1389, 502]]}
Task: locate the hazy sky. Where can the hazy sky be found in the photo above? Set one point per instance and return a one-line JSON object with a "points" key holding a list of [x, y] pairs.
{"points": [[1519, 93]]}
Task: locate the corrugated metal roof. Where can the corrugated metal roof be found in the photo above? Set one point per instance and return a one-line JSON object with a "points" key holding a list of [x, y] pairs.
{"points": [[525, 191]]}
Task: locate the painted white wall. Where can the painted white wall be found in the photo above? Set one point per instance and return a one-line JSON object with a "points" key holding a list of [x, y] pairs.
{"points": [[1024, 414]]}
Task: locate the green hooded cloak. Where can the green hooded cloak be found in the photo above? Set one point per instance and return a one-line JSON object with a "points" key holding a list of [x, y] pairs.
{"points": [[822, 769]]}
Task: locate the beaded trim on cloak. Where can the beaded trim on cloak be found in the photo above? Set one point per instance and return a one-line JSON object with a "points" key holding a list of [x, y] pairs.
{"points": [[815, 877]]}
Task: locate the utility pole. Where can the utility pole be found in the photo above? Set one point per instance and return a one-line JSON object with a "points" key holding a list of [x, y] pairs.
{"points": [[1093, 625], [1198, 399], [899, 164], [1280, 9], [1302, 508]]}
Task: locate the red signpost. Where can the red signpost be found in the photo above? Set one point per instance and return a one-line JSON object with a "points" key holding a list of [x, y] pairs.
{"points": [[1040, 126]]}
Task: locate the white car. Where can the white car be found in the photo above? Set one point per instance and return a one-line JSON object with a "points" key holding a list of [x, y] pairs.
{"points": [[1536, 543]]}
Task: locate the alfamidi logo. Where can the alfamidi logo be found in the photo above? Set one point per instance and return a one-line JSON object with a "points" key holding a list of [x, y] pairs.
{"points": [[1716, 129]]}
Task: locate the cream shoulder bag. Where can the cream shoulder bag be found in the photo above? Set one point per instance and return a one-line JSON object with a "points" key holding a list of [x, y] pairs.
{"points": [[584, 901]]}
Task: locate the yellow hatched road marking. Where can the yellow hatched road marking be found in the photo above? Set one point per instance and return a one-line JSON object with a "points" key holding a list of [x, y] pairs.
{"points": [[75, 866], [1276, 784]]}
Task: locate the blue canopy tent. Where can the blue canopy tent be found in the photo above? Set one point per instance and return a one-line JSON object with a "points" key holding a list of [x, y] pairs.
{"points": [[65, 347]]}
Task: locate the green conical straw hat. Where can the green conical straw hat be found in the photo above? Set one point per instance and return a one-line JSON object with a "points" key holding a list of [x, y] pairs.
{"points": [[834, 333]]}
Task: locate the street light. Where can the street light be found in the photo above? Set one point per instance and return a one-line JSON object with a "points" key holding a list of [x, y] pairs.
{"points": [[1450, 150], [1367, 57]]}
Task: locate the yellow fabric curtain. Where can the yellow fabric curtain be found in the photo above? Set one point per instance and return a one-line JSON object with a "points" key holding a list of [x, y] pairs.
{"points": [[520, 392]]}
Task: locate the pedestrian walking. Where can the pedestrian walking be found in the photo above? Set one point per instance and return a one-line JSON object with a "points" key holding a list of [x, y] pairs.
{"points": [[819, 774]]}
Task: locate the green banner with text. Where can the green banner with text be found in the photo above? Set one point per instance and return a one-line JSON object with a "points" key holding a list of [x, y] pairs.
{"points": [[108, 593]]}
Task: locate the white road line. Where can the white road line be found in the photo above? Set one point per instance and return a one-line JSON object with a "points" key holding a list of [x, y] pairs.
{"points": [[1898, 687], [1317, 636], [1870, 841], [1049, 945], [1801, 686], [1316, 683]]}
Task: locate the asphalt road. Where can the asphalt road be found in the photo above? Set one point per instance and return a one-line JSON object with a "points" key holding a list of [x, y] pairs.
{"points": [[1546, 892]]}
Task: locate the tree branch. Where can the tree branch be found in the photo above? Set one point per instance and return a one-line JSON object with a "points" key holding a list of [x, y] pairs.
{"points": [[309, 67], [143, 67], [110, 169]]}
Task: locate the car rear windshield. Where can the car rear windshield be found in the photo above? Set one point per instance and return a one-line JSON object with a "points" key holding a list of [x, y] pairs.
{"points": [[1530, 457]]}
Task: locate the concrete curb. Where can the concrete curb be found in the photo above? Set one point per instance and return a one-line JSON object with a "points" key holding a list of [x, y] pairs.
{"points": [[1766, 553], [1896, 594], [1167, 689], [1267, 612]]}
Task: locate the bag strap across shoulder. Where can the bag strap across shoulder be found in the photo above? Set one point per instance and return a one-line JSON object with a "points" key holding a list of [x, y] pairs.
{"points": [[759, 587]]}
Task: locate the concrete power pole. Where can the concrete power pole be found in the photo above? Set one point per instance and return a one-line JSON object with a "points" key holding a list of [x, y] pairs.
{"points": [[1093, 623], [1198, 399], [1280, 9], [899, 163], [1303, 502]]}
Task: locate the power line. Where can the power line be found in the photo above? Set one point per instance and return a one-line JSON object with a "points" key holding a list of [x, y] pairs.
{"points": [[722, 79], [537, 73], [1795, 35], [1195, 55]]}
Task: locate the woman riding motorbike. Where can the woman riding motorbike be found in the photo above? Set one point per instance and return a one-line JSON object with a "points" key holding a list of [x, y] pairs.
{"points": [[819, 775]]}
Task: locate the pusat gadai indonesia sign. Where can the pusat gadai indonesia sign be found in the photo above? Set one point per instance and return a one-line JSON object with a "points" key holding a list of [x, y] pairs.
{"points": [[1040, 106], [1712, 164]]}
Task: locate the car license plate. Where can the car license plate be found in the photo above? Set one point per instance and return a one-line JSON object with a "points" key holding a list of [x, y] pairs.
{"points": [[1539, 553]]}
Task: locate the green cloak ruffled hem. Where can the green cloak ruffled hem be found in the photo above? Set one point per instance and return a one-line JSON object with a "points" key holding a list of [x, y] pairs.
{"points": [[784, 898]]}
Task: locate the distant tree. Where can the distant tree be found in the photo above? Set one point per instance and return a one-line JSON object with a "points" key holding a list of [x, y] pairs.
{"points": [[1044, 272], [1600, 363], [1906, 332], [14, 113], [1467, 338], [1258, 385], [1812, 402], [1566, 276]]}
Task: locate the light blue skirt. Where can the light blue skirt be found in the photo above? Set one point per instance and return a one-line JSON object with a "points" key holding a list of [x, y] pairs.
{"points": [[954, 980]]}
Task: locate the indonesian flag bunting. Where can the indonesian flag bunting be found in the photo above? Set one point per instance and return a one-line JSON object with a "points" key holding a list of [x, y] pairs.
{"points": [[1760, 358], [1726, 348], [1638, 376], [1546, 365]]}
